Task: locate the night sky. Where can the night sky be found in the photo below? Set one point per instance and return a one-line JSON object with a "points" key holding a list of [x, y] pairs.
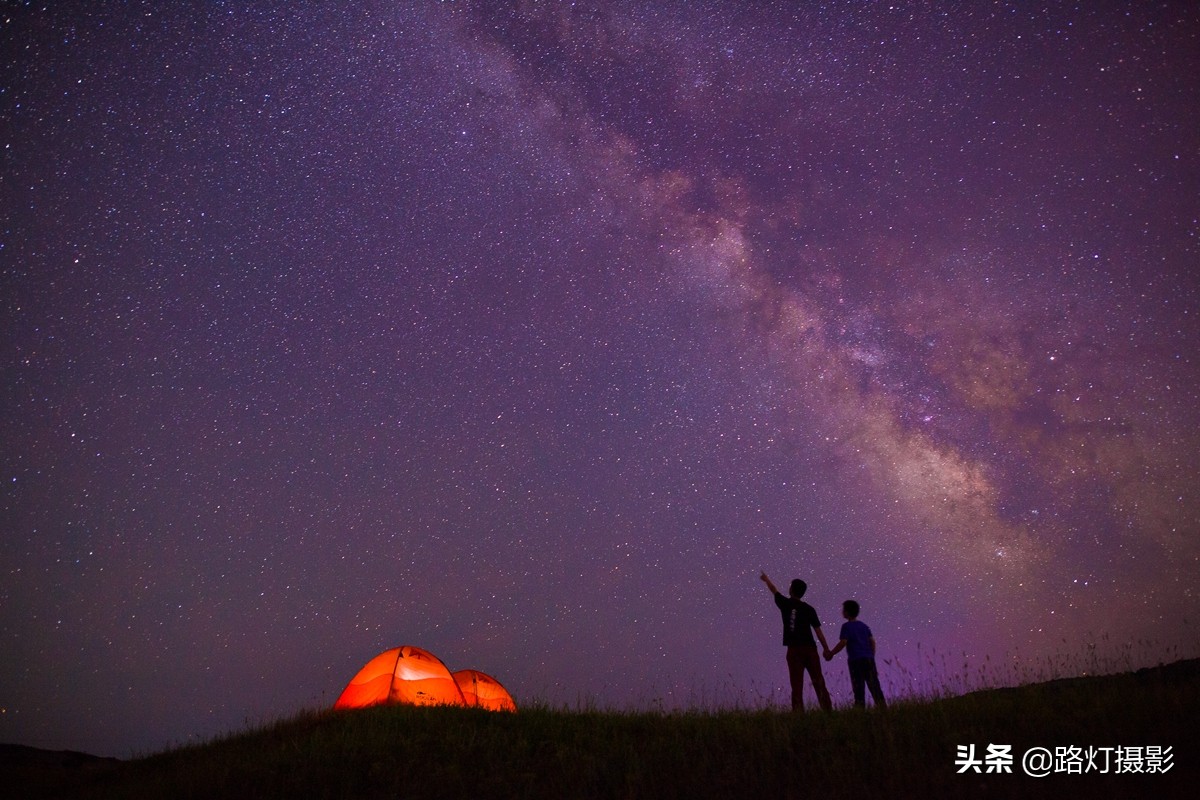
{"points": [[530, 334]]}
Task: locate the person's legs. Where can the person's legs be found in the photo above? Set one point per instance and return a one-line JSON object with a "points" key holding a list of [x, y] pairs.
{"points": [[858, 680], [795, 662], [813, 665], [873, 685]]}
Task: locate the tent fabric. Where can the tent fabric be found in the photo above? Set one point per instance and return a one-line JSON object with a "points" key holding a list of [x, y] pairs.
{"points": [[481, 690], [418, 677], [402, 675]]}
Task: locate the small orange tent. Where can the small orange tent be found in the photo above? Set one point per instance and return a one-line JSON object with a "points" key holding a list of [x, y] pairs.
{"points": [[481, 690], [402, 675]]}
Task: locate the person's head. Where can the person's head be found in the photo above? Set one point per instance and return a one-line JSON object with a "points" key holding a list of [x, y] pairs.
{"points": [[798, 588], [850, 609]]}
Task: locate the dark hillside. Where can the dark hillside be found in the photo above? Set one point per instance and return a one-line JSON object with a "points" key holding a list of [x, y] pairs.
{"points": [[908, 751]]}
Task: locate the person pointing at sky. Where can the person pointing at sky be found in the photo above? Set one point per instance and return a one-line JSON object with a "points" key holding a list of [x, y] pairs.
{"points": [[800, 622]]}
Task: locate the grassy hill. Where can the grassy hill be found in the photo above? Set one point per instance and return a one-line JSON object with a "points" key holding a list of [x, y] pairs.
{"points": [[907, 751]]}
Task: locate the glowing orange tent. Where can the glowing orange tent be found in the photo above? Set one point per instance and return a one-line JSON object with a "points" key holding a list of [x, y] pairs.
{"points": [[402, 675], [483, 691]]}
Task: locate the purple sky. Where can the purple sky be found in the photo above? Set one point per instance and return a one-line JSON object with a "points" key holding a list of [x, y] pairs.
{"points": [[530, 338]]}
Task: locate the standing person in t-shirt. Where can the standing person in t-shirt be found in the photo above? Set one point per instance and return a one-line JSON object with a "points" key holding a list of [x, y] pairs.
{"points": [[799, 624], [860, 656]]}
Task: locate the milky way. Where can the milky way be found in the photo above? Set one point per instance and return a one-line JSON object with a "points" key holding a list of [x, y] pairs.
{"points": [[530, 335]]}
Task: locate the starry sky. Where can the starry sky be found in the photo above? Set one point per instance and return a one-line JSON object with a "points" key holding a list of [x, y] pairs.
{"points": [[529, 333]]}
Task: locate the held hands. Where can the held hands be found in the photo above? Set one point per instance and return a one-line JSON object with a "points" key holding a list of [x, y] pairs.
{"points": [[828, 654]]}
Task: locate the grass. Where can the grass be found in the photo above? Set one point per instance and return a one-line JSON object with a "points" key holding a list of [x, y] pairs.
{"points": [[906, 751]]}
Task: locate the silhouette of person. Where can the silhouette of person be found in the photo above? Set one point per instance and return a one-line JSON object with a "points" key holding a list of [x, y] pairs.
{"points": [[799, 624], [856, 637]]}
